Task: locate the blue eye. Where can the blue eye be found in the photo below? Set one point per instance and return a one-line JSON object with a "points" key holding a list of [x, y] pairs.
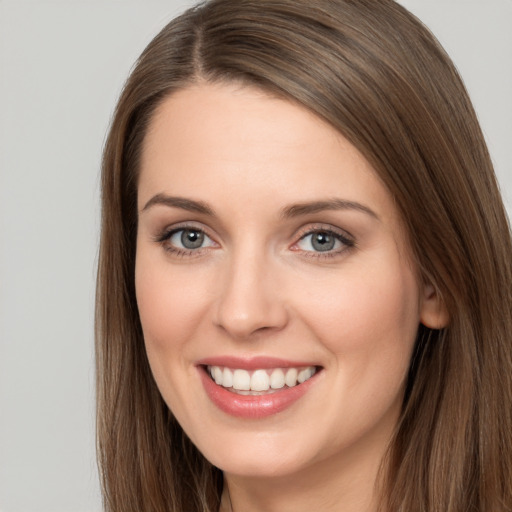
{"points": [[189, 239], [323, 241]]}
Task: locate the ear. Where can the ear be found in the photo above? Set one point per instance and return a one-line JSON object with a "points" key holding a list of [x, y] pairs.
{"points": [[433, 312]]}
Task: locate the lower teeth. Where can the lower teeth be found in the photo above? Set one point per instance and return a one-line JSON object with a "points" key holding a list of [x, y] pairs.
{"points": [[255, 393]]}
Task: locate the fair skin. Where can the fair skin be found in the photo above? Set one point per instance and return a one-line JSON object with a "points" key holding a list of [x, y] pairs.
{"points": [[263, 233]]}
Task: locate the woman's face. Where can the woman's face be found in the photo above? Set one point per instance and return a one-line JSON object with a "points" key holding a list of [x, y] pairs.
{"points": [[269, 253]]}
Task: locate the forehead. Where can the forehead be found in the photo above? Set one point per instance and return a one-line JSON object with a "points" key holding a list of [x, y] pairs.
{"points": [[230, 121], [221, 141]]}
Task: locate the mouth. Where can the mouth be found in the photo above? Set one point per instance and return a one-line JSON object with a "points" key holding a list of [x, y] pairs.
{"points": [[252, 391], [259, 381]]}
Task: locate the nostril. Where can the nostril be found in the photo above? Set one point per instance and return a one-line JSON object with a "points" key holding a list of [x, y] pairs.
{"points": [[248, 305]]}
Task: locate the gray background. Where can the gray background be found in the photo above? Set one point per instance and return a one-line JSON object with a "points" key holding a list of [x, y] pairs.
{"points": [[62, 65]]}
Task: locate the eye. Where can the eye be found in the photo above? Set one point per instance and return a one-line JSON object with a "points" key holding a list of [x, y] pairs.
{"points": [[188, 239], [324, 241]]}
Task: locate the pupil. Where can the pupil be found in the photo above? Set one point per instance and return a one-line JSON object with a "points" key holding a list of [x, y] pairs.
{"points": [[192, 239], [323, 242]]}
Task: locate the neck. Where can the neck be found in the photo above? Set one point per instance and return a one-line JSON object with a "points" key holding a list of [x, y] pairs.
{"points": [[328, 485]]}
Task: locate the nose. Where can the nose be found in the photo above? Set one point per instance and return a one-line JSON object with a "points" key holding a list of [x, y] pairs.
{"points": [[250, 299]]}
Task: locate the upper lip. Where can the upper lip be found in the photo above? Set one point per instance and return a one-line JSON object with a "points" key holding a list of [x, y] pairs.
{"points": [[253, 363]]}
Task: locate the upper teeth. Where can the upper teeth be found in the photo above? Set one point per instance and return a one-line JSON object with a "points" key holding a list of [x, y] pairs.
{"points": [[260, 380]]}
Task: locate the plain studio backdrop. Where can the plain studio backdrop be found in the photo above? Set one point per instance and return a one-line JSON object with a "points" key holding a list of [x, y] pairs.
{"points": [[62, 65]]}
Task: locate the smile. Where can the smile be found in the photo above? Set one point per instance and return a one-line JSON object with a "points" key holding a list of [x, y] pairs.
{"points": [[258, 381], [256, 388]]}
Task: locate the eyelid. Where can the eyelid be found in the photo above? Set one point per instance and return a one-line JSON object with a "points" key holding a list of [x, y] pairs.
{"points": [[329, 228], [344, 236], [168, 230], [164, 235]]}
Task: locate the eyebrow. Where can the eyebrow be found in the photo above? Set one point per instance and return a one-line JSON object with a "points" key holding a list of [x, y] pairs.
{"points": [[308, 208], [294, 210], [179, 202]]}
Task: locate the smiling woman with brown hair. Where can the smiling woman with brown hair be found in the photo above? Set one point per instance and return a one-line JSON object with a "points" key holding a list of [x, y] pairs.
{"points": [[304, 286]]}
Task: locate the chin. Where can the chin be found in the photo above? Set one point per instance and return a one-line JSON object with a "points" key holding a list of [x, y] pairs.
{"points": [[262, 465], [263, 454]]}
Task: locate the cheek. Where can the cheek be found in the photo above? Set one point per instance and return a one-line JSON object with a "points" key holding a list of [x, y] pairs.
{"points": [[368, 322], [170, 309], [166, 300], [369, 316]]}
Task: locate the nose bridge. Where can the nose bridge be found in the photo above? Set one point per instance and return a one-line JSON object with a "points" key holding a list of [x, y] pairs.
{"points": [[249, 299]]}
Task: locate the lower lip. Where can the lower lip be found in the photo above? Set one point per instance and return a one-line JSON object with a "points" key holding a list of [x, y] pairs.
{"points": [[253, 406]]}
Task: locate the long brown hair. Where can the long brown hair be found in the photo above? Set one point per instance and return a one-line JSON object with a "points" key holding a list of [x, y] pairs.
{"points": [[375, 73]]}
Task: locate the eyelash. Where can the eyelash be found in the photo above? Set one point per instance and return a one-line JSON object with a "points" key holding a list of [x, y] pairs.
{"points": [[347, 241], [344, 238], [165, 237]]}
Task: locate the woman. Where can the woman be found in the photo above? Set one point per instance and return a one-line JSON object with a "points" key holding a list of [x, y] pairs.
{"points": [[304, 285]]}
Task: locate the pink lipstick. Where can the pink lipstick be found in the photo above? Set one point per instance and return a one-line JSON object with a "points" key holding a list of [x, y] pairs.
{"points": [[257, 387]]}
